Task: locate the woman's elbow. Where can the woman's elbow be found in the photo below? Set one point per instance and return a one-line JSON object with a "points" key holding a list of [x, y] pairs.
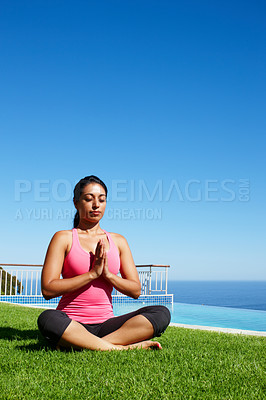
{"points": [[137, 293], [47, 294]]}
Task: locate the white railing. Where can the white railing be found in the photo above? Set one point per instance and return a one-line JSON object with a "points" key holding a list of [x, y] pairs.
{"points": [[153, 279], [20, 279], [25, 280]]}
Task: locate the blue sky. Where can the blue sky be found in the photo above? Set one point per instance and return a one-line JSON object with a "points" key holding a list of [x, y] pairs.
{"points": [[163, 100]]}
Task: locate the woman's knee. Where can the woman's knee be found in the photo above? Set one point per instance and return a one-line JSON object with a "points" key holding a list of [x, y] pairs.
{"points": [[52, 324], [164, 316], [159, 316]]}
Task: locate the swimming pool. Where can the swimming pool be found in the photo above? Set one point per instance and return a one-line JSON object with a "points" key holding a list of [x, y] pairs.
{"points": [[187, 314], [220, 317]]}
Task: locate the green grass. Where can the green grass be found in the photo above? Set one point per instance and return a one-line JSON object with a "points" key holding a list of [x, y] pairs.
{"points": [[192, 365]]}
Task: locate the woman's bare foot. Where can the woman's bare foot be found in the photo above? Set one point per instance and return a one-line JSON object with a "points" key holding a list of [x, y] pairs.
{"points": [[147, 345]]}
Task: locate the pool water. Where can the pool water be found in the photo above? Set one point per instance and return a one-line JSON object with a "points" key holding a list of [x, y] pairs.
{"points": [[221, 317]]}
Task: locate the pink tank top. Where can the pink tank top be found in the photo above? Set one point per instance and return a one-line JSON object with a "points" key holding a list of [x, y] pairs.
{"points": [[92, 303]]}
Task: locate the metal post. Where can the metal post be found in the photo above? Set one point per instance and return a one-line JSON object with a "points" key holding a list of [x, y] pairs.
{"points": [[21, 282], [31, 279], [37, 277], [16, 284], [166, 277], [26, 286], [11, 280], [5, 293], [150, 281]]}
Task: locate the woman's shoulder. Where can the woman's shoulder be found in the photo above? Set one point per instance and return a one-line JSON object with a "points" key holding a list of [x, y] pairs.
{"points": [[117, 236], [63, 235], [119, 240], [61, 240]]}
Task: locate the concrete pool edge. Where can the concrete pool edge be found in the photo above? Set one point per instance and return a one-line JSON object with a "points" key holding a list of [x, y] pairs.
{"points": [[222, 330]]}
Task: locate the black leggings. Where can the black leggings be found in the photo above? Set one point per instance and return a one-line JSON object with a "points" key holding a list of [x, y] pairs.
{"points": [[53, 323]]}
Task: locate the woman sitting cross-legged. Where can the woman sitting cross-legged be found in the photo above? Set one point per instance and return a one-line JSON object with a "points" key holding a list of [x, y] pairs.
{"points": [[89, 259]]}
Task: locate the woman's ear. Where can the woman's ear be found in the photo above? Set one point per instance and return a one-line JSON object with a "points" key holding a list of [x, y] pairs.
{"points": [[75, 203]]}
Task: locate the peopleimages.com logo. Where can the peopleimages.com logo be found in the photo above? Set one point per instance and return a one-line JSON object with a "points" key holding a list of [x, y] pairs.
{"points": [[193, 190], [140, 193]]}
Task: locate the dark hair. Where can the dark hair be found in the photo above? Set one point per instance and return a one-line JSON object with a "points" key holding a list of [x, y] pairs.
{"points": [[79, 189]]}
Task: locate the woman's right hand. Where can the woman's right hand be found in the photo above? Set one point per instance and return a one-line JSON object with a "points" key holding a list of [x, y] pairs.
{"points": [[99, 259]]}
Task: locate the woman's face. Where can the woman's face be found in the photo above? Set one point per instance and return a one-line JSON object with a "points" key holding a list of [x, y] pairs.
{"points": [[92, 202]]}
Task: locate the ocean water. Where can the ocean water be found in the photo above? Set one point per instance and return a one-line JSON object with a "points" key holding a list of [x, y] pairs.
{"points": [[249, 295]]}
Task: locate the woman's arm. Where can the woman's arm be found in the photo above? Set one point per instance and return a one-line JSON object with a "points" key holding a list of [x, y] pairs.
{"points": [[129, 284], [52, 285]]}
